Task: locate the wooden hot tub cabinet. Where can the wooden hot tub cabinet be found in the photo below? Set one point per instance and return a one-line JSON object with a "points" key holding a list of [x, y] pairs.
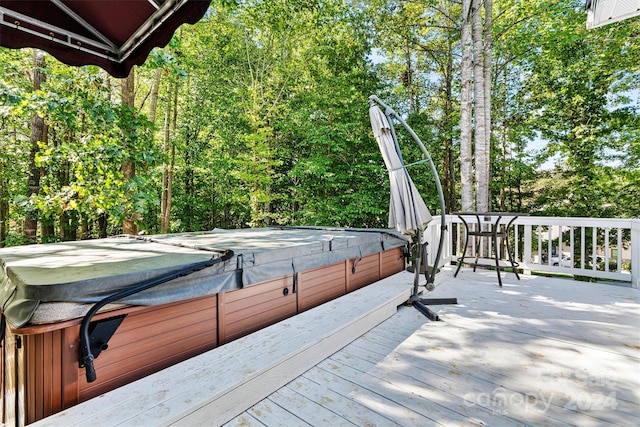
{"points": [[246, 310], [41, 373], [41, 362]]}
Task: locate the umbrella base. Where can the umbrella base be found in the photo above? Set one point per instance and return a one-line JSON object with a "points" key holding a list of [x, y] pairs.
{"points": [[438, 301], [421, 305]]}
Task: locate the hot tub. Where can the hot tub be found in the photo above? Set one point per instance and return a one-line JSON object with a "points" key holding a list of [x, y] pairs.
{"points": [[215, 286]]}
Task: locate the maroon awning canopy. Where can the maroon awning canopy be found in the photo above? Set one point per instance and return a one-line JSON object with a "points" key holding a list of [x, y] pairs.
{"points": [[113, 34]]}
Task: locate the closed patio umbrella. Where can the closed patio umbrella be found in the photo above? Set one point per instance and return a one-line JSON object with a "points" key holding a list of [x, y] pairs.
{"points": [[407, 211]]}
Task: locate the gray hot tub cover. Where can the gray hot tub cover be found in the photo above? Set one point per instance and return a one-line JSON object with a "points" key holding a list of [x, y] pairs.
{"points": [[88, 271]]}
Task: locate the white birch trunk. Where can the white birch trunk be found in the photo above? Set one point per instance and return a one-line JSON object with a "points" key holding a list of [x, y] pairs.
{"points": [[488, 63], [466, 164], [481, 153]]}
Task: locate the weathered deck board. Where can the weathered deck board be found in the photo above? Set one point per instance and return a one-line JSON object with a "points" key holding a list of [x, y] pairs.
{"points": [[269, 412], [539, 351]]}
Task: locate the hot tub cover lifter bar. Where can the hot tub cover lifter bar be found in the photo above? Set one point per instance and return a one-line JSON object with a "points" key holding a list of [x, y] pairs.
{"points": [[87, 356]]}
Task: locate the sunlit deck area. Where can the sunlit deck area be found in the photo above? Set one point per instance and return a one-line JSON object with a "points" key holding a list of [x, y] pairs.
{"points": [[538, 351]]}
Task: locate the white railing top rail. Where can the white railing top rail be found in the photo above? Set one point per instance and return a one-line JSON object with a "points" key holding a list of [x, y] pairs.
{"points": [[604, 248], [576, 221], [568, 221]]}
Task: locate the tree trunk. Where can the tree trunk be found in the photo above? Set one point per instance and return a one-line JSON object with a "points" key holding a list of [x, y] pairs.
{"points": [[466, 170], [47, 223], [169, 149], [487, 72], [153, 102], [481, 152], [448, 167], [407, 78], [4, 206], [47, 229], [69, 226], [37, 135], [84, 228], [172, 163], [506, 181], [128, 168], [102, 225], [4, 210], [165, 167]]}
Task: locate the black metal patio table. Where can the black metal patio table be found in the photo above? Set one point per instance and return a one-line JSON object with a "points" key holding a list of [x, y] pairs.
{"points": [[493, 229]]}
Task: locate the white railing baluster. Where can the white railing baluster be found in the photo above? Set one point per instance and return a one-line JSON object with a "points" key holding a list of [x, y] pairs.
{"points": [[619, 251], [572, 247], [583, 248], [594, 248], [549, 245], [516, 239], [527, 244], [635, 253], [539, 230], [542, 236], [606, 249]]}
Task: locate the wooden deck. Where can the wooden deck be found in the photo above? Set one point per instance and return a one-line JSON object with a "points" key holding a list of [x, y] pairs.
{"points": [[539, 351]]}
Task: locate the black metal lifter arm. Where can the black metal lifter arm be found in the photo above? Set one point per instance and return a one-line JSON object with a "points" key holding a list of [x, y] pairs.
{"points": [[85, 345]]}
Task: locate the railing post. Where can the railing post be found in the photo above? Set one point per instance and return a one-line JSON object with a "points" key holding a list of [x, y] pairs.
{"points": [[526, 256], [635, 253]]}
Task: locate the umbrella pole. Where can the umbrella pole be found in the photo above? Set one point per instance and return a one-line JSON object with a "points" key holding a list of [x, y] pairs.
{"points": [[415, 297], [416, 264]]}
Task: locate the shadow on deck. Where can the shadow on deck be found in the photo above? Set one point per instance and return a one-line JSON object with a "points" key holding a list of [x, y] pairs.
{"points": [[539, 351]]}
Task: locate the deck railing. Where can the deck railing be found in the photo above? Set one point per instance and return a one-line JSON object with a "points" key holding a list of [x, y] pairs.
{"points": [[590, 248]]}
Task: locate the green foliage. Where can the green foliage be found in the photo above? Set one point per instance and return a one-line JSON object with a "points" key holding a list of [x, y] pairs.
{"points": [[275, 117], [264, 105], [579, 106], [570, 87], [89, 137]]}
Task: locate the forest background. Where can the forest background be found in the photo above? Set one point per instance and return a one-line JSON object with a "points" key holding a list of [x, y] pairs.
{"points": [[258, 115]]}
